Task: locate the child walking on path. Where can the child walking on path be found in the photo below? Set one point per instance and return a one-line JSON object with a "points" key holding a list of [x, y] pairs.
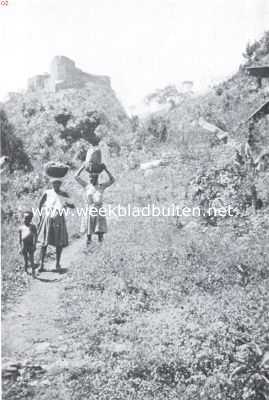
{"points": [[28, 239], [94, 223]]}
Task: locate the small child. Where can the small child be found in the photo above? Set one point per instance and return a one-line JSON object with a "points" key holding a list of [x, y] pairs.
{"points": [[28, 239]]}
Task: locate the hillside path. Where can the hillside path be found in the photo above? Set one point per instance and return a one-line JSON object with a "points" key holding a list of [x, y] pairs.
{"points": [[30, 329]]}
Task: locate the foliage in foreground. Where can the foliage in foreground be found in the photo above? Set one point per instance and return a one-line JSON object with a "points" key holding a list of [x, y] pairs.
{"points": [[171, 316]]}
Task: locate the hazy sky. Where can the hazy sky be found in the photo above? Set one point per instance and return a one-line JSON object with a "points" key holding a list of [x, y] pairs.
{"points": [[140, 44]]}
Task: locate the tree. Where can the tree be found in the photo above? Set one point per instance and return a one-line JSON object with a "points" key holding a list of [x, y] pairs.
{"points": [[169, 94]]}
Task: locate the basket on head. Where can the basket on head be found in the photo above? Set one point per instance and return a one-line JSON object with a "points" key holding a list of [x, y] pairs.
{"points": [[93, 161], [56, 169]]}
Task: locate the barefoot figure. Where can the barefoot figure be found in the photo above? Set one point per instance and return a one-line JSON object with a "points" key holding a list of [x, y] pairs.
{"points": [[52, 226], [28, 239], [94, 222]]}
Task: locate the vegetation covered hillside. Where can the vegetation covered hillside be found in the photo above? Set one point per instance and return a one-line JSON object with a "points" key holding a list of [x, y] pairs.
{"points": [[41, 126], [234, 158], [228, 104], [174, 307], [49, 123]]}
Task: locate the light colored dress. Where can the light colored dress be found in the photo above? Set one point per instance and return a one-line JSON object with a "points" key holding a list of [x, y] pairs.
{"points": [[91, 224], [52, 227]]}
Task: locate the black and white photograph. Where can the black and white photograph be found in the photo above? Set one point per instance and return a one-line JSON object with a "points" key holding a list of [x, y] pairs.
{"points": [[134, 199]]}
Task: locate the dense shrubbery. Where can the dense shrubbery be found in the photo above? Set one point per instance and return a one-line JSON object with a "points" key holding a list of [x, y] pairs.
{"points": [[171, 316], [12, 146], [50, 123], [84, 129], [153, 130], [258, 49]]}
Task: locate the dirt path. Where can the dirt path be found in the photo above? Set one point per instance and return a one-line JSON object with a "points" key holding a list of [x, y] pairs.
{"points": [[30, 329]]}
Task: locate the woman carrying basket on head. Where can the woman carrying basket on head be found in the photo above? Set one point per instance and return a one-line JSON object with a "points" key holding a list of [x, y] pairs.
{"points": [[94, 223], [52, 226]]}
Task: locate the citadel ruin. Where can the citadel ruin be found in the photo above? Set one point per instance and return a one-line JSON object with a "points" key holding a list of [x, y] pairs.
{"points": [[64, 75]]}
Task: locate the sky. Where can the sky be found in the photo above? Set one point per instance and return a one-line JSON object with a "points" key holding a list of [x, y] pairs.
{"points": [[141, 44]]}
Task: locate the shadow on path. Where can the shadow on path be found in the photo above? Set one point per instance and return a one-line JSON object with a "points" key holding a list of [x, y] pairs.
{"points": [[46, 280]]}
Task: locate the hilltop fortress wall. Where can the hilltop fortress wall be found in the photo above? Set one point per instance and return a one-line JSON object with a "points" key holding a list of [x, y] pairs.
{"points": [[64, 75]]}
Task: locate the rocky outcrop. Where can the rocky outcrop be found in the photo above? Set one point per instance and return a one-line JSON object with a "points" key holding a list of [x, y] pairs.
{"points": [[64, 75]]}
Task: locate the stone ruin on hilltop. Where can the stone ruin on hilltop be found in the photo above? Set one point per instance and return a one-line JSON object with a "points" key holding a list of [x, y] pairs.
{"points": [[64, 75]]}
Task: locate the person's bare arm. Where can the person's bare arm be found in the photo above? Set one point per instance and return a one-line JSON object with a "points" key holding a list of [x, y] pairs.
{"points": [[81, 168], [78, 178], [68, 202], [20, 241], [42, 201], [111, 179]]}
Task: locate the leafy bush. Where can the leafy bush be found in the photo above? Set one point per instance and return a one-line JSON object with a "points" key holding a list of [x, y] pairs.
{"points": [[84, 129], [12, 146], [169, 94], [153, 130], [257, 49]]}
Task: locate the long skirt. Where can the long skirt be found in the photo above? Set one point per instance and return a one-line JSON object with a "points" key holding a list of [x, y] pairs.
{"points": [[52, 231]]}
